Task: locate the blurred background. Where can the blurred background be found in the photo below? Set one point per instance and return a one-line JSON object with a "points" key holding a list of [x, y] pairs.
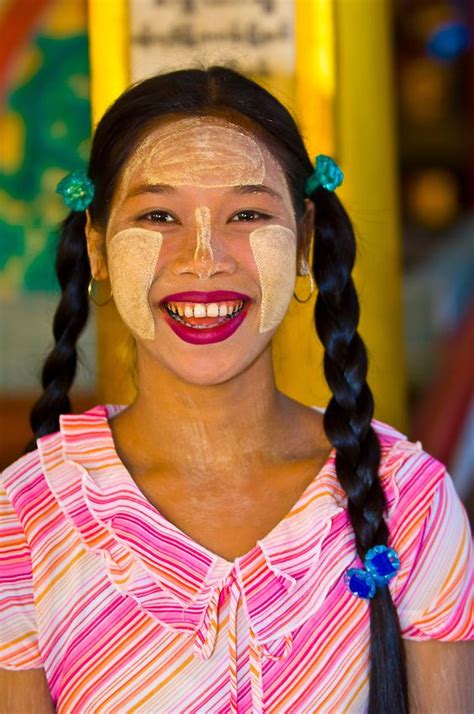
{"points": [[48, 69]]}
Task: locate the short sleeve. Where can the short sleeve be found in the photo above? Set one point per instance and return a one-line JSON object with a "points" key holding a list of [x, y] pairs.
{"points": [[18, 630], [437, 601]]}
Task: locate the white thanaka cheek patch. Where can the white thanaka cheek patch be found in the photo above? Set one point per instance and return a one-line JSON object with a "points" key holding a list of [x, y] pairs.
{"points": [[132, 255], [203, 236], [199, 151], [274, 251]]}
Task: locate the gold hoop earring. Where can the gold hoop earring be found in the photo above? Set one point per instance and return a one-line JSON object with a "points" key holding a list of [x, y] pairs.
{"points": [[312, 287], [90, 288]]}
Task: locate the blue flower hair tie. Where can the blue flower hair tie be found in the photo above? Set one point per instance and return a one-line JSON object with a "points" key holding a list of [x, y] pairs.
{"points": [[77, 190], [381, 564], [326, 174]]}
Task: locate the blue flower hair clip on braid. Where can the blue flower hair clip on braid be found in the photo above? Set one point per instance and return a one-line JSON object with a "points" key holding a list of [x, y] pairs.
{"points": [[326, 174], [77, 190], [381, 564]]}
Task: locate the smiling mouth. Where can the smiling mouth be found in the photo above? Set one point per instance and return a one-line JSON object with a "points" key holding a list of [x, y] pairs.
{"points": [[204, 323]]}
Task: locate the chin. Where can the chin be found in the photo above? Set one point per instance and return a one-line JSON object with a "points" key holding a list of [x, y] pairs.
{"points": [[208, 374], [207, 365], [209, 371]]}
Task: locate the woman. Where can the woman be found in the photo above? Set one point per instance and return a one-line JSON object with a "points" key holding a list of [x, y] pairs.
{"points": [[209, 548]]}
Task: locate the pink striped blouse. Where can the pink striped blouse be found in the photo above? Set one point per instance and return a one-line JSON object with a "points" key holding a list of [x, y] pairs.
{"points": [[126, 613]]}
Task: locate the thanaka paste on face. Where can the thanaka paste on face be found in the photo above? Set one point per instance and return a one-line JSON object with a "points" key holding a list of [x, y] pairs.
{"points": [[132, 255], [274, 251], [205, 152], [197, 151], [203, 234]]}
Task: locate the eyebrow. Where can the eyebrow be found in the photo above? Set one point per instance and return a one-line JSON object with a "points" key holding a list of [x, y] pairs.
{"points": [[240, 190], [151, 188], [257, 188]]}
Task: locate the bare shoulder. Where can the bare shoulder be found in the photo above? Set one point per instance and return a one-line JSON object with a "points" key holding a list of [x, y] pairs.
{"points": [[440, 676], [24, 692]]}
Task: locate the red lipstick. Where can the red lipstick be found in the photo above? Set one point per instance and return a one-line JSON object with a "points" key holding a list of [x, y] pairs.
{"points": [[220, 327], [204, 297], [207, 335]]}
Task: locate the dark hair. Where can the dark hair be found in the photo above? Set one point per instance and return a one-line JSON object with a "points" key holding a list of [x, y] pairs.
{"points": [[347, 420]]}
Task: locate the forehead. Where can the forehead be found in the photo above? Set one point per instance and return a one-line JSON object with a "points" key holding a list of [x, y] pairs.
{"points": [[200, 151]]}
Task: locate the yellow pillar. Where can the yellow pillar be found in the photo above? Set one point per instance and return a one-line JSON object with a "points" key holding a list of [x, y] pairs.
{"points": [[297, 352], [108, 51], [365, 130], [345, 108], [109, 61]]}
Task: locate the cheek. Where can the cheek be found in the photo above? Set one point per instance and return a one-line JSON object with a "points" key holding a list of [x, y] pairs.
{"points": [[132, 255], [274, 252]]}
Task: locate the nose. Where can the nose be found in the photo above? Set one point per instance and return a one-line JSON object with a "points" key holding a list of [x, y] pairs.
{"points": [[206, 259], [203, 234]]}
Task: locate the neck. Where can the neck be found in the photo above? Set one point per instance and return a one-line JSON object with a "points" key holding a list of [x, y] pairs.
{"points": [[177, 424]]}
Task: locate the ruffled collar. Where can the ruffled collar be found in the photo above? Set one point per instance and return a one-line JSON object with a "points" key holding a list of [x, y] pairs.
{"points": [[180, 582], [123, 516]]}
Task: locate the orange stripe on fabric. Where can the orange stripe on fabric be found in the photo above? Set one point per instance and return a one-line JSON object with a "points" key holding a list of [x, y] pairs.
{"points": [[345, 624], [165, 681], [136, 675], [45, 573], [100, 661], [17, 640], [58, 577]]}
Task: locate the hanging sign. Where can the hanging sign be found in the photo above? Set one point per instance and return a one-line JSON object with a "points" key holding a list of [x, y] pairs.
{"points": [[254, 36]]}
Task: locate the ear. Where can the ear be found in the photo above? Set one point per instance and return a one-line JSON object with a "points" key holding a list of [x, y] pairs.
{"points": [[96, 250], [305, 232]]}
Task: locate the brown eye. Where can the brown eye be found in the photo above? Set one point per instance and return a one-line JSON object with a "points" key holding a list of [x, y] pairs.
{"points": [[159, 217], [248, 216]]}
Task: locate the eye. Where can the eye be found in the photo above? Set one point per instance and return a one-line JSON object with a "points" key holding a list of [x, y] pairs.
{"points": [[159, 217], [248, 216]]}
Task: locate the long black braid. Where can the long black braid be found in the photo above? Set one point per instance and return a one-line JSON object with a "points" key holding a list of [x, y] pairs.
{"points": [[70, 318], [347, 424], [347, 420]]}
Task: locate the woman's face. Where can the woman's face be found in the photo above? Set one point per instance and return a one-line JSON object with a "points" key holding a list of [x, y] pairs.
{"points": [[201, 247]]}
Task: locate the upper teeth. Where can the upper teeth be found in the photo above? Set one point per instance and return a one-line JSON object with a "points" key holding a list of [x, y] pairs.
{"points": [[211, 309]]}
